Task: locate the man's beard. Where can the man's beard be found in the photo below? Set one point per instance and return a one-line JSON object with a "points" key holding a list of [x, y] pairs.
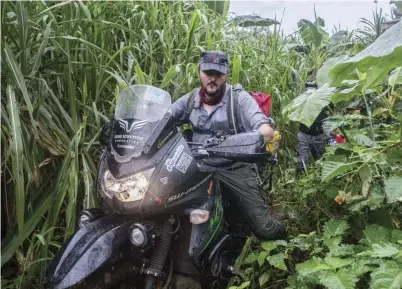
{"points": [[214, 98], [218, 92]]}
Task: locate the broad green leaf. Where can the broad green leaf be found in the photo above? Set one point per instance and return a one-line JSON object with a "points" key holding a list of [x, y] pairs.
{"points": [[251, 258], [312, 266], [386, 52], [396, 235], [388, 276], [362, 266], [335, 228], [363, 140], [384, 250], [322, 73], [342, 250], [332, 242], [261, 258], [393, 189], [358, 203], [331, 170], [263, 279], [337, 263], [306, 107], [366, 177], [281, 243], [312, 34], [336, 38], [342, 279], [374, 75], [244, 285], [278, 261], [395, 77], [345, 94], [375, 234], [268, 246]]}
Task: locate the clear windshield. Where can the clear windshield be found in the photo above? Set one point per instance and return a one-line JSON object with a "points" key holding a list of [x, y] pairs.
{"points": [[142, 102], [139, 108]]}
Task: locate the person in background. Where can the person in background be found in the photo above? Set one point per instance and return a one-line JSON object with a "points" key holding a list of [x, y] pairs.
{"points": [[335, 137], [311, 139]]}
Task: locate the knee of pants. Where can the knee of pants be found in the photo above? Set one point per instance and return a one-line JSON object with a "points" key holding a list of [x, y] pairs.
{"points": [[263, 224], [270, 230], [301, 162]]}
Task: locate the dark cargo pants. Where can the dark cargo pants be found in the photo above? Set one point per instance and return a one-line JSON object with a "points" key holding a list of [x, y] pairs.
{"points": [[309, 143], [243, 183]]}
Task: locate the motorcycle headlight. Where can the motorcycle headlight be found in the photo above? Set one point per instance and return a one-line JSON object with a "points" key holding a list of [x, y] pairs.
{"points": [[129, 189]]}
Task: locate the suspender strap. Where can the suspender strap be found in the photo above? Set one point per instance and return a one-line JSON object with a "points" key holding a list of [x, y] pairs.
{"points": [[232, 109], [191, 100]]}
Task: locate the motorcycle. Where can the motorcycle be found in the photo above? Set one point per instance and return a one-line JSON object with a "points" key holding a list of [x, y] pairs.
{"points": [[162, 211]]}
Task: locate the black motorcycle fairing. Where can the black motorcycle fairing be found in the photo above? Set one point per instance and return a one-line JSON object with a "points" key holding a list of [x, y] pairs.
{"points": [[86, 251], [135, 165], [175, 183], [203, 235]]}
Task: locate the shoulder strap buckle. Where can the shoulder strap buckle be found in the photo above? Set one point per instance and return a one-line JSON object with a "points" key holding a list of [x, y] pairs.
{"points": [[237, 87]]}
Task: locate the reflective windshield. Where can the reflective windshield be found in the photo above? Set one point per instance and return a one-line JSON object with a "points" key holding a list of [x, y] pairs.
{"points": [[142, 102], [138, 110]]}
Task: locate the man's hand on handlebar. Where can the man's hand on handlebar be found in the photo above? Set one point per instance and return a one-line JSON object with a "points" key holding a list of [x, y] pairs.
{"points": [[267, 131]]}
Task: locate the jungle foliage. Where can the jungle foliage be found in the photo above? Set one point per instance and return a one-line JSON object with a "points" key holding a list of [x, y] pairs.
{"points": [[63, 64]]}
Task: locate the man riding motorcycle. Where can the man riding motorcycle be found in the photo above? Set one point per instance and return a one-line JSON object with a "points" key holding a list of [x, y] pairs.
{"points": [[208, 116]]}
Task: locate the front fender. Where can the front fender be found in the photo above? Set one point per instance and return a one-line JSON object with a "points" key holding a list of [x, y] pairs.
{"points": [[86, 251]]}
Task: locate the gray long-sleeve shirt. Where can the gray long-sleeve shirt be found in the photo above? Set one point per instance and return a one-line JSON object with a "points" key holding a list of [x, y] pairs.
{"points": [[206, 124]]}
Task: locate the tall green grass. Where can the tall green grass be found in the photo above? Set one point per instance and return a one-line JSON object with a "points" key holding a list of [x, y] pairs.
{"points": [[62, 66]]}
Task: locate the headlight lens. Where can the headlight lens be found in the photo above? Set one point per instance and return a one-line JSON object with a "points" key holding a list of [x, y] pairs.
{"points": [[129, 189], [137, 237]]}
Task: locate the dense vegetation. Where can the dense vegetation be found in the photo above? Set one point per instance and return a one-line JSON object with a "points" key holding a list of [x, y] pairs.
{"points": [[63, 64]]}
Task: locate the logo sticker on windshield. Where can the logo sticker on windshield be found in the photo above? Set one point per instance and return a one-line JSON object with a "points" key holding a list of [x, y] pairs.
{"points": [[135, 125], [155, 95], [171, 162], [184, 162]]}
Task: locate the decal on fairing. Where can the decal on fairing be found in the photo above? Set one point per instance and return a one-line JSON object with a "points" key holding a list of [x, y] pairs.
{"points": [[184, 162], [192, 189], [171, 162]]}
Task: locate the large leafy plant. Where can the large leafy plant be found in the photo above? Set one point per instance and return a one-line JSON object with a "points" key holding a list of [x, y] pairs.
{"points": [[325, 259]]}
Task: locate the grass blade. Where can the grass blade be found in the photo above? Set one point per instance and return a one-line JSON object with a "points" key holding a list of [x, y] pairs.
{"points": [[17, 156], [18, 78]]}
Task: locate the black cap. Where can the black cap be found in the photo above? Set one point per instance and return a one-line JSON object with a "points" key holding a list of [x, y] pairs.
{"points": [[214, 60]]}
